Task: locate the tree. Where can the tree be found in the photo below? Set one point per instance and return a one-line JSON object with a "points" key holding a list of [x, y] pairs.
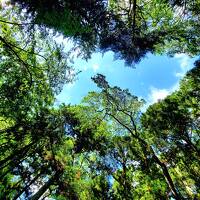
{"points": [[33, 69], [130, 29], [151, 158], [36, 147], [56, 156], [122, 110], [175, 133]]}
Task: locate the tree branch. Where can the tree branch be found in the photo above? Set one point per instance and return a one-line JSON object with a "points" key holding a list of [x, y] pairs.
{"points": [[18, 57], [17, 24]]}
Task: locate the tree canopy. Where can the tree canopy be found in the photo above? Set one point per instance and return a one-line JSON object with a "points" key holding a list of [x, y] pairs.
{"points": [[105, 147], [130, 29]]}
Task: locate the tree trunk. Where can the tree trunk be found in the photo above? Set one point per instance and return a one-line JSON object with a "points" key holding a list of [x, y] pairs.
{"points": [[167, 177], [16, 153], [27, 186], [147, 149], [45, 187], [166, 174]]}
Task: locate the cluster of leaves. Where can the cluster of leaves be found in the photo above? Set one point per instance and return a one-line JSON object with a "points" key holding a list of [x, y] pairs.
{"points": [[130, 29], [33, 66], [157, 152]]}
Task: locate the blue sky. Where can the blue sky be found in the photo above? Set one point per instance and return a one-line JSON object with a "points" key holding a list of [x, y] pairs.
{"points": [[153, 78]]}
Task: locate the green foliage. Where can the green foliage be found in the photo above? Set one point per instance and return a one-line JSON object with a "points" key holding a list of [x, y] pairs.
{"points": [[175, 133], [101, 148], [33, 69], [104, 148], [130, 29]]}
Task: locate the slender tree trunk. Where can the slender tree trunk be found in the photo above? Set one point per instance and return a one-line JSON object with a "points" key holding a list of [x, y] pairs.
{"points": [[167, 177], [166, 174], [147, 148], [20, 152], [45, 187], [27, 186]]}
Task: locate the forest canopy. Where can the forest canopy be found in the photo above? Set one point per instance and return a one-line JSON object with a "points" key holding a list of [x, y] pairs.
{"points": [[130, 29], [106, 147]]}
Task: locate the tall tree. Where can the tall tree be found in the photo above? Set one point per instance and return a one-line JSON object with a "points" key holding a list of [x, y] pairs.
{"points": [[175, 133], [123, 110], [33, 69], [104, 148]]}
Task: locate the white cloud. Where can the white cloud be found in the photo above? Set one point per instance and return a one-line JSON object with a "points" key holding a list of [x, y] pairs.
{"points": [[185, 64], [157, 94], [95, 67]]}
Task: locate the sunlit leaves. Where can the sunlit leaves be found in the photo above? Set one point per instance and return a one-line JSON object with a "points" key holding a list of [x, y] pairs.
{"points": [[175, 133]]}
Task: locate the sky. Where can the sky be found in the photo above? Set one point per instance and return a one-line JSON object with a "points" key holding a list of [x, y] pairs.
{"points": [[152, 79]]}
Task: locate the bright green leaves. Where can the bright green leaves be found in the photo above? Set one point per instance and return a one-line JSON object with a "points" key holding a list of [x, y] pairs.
{"points": [[172, 125], [154, 149], [90, 130], [102, 148], [33, 66]]}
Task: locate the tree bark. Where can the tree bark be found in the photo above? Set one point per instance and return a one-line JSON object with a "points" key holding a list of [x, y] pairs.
{"points": [[167, 177]]}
